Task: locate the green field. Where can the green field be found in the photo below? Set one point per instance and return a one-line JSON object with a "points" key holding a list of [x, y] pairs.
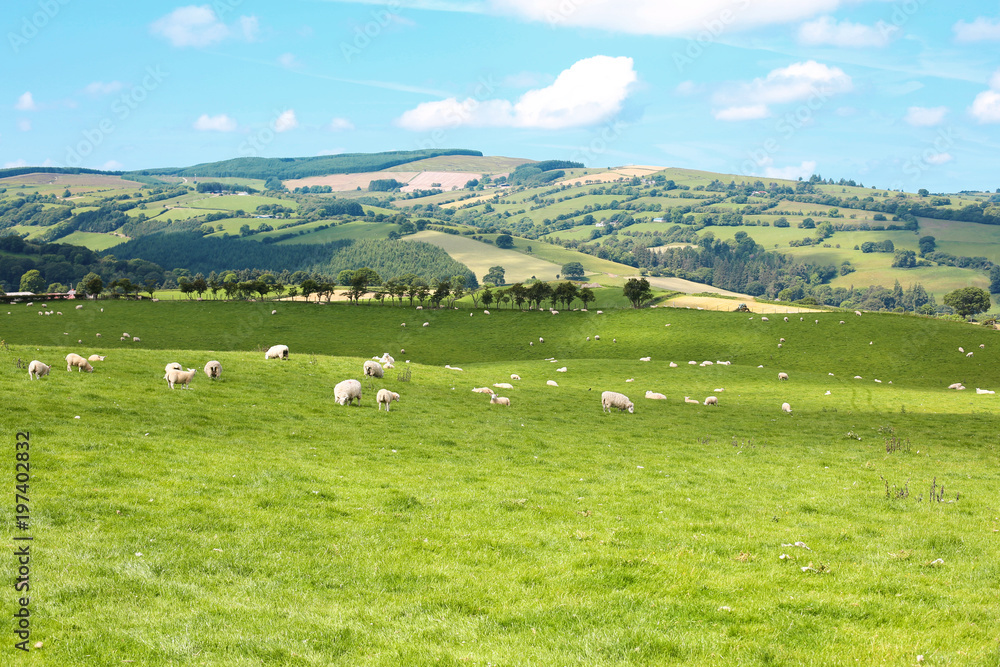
{"points": [[491, 164], [93, 240], [252, 520], [347, 230], [248, 203], [480, 257]]}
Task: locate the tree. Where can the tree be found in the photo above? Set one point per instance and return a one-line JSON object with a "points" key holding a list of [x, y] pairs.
{"points": [[199, 284], [923, 192], [586, 295], [33, 282], [968, 301], [345, 277], [505, 241], [567, 292], [927, 245], [637, 290], [441, 292], [904, 259], [151, 286], [573, 271], [995, 279], [487, 297], [495, 275]]}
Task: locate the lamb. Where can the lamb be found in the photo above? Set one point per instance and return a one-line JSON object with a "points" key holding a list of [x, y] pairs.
{"points": [[277, 352], [782, 376], [969, 354], [645, 358], [613, 399], [37, 369], [345, 392], [785, 407], [961, 349], [452, 368], [483, 390], [386, 397], [656, 396], [373, 369], [503, 385], [95, 357], [184, 377], [858, 313], [712, 400], [688, 399], [515, 376], [982, 346], [552, 383], [956, 385], [135, 339], [81, 364], [673, 365], [388, 367], [213, 369], [172, 366], [500, 400]]}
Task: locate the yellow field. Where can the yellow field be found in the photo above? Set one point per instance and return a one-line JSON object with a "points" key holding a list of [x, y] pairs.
{"points": [[480, 257]]}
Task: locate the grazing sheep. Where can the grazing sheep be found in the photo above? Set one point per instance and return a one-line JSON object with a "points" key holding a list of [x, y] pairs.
{"points": [[373, 369], [817, 321], [673, 365], [37, 369], [277, 352], [969, 354], [79, 307], [78, 361], [135, 339], [541, 340], [274, 312], [184, 377], [712, 400], [692, 363], [600, 312], [877, 380], [403, 324], [420, 307], [483, 390], [427, 324], [779, 346], [452, 368], [503, 385], [655, 396], [345, 392], [786, 319], [552, 383], [486, 312], [613, 399], [785, 407], [630, 380], [955, 385], [95, 357], [500, 400], [388, 367], [515, 376], [781, 340], [858, 313], [764, 319], [645, 358], [126, 335], [724, 363], [172, 366], [98, 335], [213, 369], [982, 346], [692, 401], [841, 321], [782, 376], [978, 390], [385, 397], [597, 338], [561, 370], [386, 358], [706, 363]]}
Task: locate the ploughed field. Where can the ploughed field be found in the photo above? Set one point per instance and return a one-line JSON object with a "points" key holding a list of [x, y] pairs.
{"points": [[252, 520]]}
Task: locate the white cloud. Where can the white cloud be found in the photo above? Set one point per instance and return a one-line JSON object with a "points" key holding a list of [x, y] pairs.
{"points": [[939, 158], [24, 125], [26, 102], [657, 17], [112, 165], [792, 173], [102, 88], [286, 121], [980, 30], [986, 107], [924, 116], [220, 123], [752, 112], [827, 31], [808, 80], [341, 125], [592, 90], [199, 25], [995, 80], [15, 163]]}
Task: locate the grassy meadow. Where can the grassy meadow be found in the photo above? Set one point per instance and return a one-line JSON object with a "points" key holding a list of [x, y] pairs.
{"points": [[251, 520]]}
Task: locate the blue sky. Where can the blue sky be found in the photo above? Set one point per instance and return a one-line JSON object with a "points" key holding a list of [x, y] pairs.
{"points": [[901, 94]]}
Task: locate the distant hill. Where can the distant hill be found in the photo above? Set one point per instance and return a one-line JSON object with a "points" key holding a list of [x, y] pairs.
{"points": [[303, 167]]}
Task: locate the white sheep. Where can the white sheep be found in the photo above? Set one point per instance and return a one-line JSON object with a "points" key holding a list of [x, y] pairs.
{"points": [[706, 363], [982, 346], [486, 312], [781, 340], [174, 376], [530, 343], [645, 358], [58, 313], [274, 312], [541, 340], [978, 390], [588, 337], [630, 380], [561, 370], [345, 392], [613, 399], [388, 367], [126, 335], [172, 366], [403, 324], [552, 383], [712, 400], [98, 335], [385, 397], [213, 369], [276, 352], [500, 400], [858, 313], [841, 321], [79, 307], [785, 407], [515, 376], [95, 357], [782, 376], [37, 369], [135, 339], [692, 363], [673, 365], [969, 354], [779, 346], [764, 319], [79, 362], [483, 390], [452, 368], [955, 385], [427, 324], [386, 358], [373, 369], [503, 385], [656, 396], [786, 319], [961, 349], [597, 338], [420, 307], [692, 401]]}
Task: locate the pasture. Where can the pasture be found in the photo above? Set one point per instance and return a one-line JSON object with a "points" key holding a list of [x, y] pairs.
{"points": [[252, 520], [479, 256]]}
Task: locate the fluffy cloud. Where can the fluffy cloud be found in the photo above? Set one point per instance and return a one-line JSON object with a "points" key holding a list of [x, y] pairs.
{"points": [[26, 102], [986, 107], [286, 121], [16, 163], [752, 112], [795, 83], [198, 25], [220, 123], [924, 116], [980, 30], [592, 90], [827, 31], [341, 125], [112, 165], [657, 17], [792, 173], [101, 88]]}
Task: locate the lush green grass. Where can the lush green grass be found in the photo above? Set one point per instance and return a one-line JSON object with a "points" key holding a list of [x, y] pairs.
{"points": [[248, 203], [348, 230], [93, 240], [252, 520]]}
